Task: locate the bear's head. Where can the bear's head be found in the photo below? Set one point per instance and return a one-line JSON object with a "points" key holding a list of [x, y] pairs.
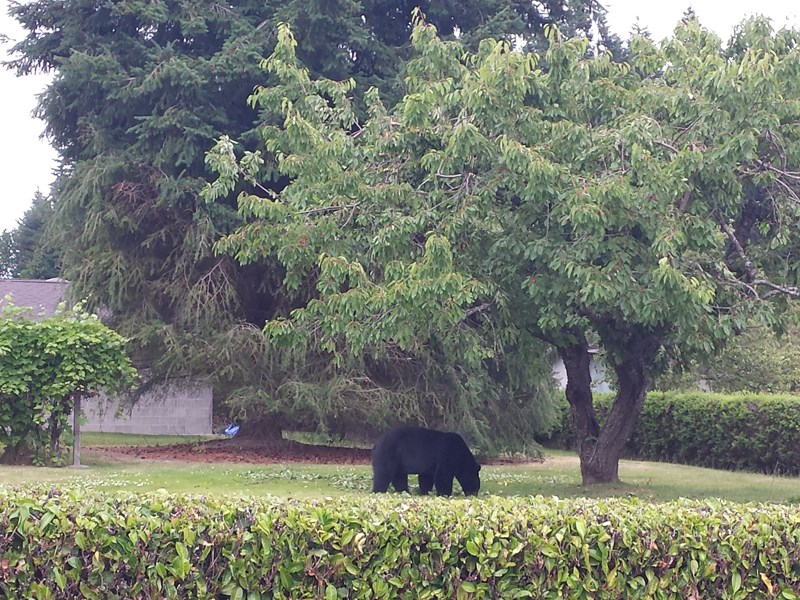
{"points": [[470, 480]]}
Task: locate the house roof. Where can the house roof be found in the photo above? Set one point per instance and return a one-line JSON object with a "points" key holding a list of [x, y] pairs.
{"points": [[42, 295]]}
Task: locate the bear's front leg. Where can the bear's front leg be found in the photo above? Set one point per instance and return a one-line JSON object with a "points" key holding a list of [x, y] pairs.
{"points": [[380, 481], [400, 482], [444, 483]]}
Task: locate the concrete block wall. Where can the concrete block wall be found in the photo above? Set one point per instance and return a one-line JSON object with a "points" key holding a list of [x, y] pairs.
{"points": [[176, 409]]}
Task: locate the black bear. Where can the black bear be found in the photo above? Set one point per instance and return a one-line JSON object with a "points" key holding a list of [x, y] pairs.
{"points": [[436, 456]]}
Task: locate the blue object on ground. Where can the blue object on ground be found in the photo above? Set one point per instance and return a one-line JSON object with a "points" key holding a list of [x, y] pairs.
{"points": [[231, 430]]}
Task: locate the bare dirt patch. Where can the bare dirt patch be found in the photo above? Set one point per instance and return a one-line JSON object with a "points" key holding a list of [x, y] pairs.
{"points": [[241, 450], [256, 451]]}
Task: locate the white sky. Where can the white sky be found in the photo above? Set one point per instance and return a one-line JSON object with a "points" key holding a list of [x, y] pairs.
{"points": [[27, 162]]}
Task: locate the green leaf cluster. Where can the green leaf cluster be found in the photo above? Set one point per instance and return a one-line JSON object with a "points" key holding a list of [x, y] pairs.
{"points": [[141, 91], [605, 191], [45, 363], [56, 544], [755, 361], [650, 206]]}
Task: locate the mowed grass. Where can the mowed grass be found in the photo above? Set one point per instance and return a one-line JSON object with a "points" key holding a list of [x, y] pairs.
{"points": [[558, 475], [106, 440]]}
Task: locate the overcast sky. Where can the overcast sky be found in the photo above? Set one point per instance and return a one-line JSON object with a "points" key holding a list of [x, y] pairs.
{"points": [[26, 161]]}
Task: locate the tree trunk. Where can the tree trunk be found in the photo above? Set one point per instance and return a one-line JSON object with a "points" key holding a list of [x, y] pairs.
{"points": [[600, 449], [55, 439], [579, 395], [17, 454], [76, 430]]}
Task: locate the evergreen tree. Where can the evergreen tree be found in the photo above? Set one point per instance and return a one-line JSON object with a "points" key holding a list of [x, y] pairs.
{"points": [[141, 90], [38, 255], [29, 250], [8, 259]]}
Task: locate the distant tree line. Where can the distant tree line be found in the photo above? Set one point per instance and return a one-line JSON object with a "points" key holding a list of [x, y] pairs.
{"points": [[28, 251]]}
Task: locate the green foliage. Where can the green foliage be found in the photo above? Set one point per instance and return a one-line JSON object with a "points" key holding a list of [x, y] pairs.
{"points": [[8, 258], [45, 363], [60, 545], [29, 250], [511, 197], [418, 315], [754, 361], [141, 92], [750, 432], [746, 431]]}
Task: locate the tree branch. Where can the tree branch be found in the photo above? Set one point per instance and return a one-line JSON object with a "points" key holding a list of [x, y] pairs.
{"points": [[753, 291], [749, 268], [793, 175], [777, 290], [542, 336], [667, 145], [685, 130], [476, 309], [771, 137], [684, 202], [789, 189], [327, 209]]}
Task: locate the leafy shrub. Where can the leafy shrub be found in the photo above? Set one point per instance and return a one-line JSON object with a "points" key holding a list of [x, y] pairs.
{"points": [[45, 364], [67, 545], [740, 431], [743, 431]]}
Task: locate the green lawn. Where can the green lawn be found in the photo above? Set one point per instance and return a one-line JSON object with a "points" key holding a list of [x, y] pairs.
{"points": [[91, 438], [558, 476]]}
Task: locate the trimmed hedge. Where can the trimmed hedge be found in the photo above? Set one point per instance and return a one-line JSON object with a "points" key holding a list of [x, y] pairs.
{"points": [[749, 432], [67, 545]]}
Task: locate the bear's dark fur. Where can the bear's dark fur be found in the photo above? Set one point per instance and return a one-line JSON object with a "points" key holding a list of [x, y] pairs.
{"points": [[436, 456]]}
